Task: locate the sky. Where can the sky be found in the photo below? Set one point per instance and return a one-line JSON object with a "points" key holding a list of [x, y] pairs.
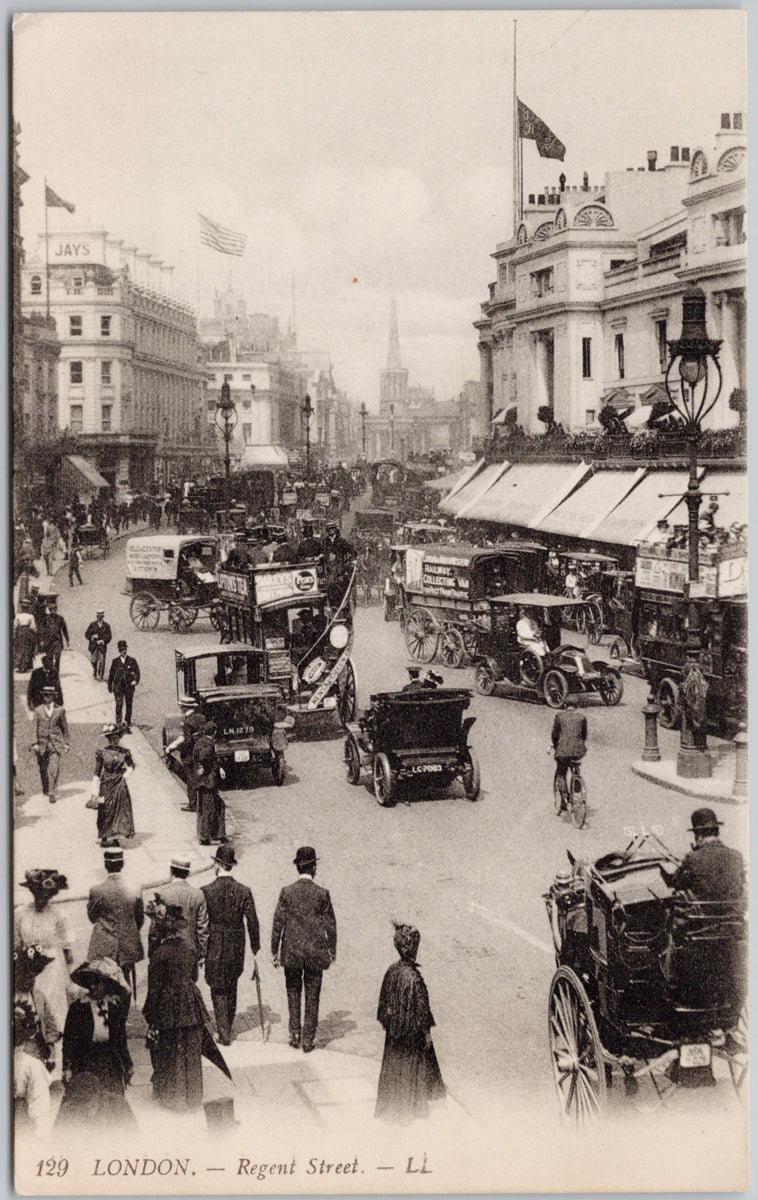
{"points": [[363, 154]]}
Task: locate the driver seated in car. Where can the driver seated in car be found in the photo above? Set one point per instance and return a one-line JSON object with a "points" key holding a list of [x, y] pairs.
{"points": [[529, 634]]}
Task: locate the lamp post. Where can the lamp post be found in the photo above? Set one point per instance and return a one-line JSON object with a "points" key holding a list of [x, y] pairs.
{"points": [[307, 411], [226, 420], [693, 398], [392, 429], [364, 414]]}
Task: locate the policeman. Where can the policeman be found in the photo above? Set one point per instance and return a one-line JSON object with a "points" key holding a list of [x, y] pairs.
{"points": [[185, 744]]}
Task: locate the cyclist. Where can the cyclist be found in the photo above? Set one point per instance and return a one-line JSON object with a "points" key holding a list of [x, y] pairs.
{"points": [[569, 740]]}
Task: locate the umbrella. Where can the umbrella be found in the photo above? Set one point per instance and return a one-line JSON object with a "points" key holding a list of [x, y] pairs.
{"points": [[210, 1050]]}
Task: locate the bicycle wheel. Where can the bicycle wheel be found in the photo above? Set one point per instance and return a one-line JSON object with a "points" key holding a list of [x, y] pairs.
{"points": [[578, 801], [558, 796]]}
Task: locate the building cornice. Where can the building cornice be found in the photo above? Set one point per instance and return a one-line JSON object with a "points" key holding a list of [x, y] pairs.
{"points": [[611, 238], [719, 189]]}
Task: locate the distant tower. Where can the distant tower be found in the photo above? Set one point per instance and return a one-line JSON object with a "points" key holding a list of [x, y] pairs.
{"points": [[393, 381]]}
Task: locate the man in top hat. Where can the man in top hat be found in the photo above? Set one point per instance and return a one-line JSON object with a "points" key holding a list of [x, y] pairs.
{"points": [[98, 634], [50, 740], [118, 914], [192, 729], [122, 680], [423, 681], [310, 545], [45, 675], [304, 942], [230, 908], [711, 870], [191, 900]]}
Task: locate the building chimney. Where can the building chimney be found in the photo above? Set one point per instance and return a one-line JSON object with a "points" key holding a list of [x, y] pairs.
{"points": [[685, 154], [737, 121], [640, 168], [540, 198], [675, 154], [585, 182], [531, 197], [562, 181], [652, 159], [725, 121]]}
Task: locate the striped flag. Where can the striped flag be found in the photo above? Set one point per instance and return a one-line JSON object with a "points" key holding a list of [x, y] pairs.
{"points": [[218, 238], [53, 200]]}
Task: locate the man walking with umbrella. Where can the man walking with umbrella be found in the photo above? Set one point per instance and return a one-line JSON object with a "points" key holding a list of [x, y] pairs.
{"points": [[230, 908]]}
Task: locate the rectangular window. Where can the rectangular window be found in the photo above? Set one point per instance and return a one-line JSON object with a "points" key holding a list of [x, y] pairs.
{"points": [[618, 342], [76, 418], [247, 433], [105, 372], [661, 342], [586, 358], [75, 371], [105, 327], [247, 377], [75, 326], [105, 417], [589, 416]]}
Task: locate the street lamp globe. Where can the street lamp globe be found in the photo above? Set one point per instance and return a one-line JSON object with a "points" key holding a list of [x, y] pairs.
{"points": [[696, 358]]}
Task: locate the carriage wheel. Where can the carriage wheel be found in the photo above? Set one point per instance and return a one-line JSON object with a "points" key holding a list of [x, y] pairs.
{"points": [[352, 761], [611, 687], [216, 615], [144, 611], [530, 668], [471, 777], [181, 617], [555, 689], [484, 679], [384, 783], [451, 649], [471, 642], [347, 703], [421, 635], [594, 623], [738, 1056], [575, 1049], [669, 704]]}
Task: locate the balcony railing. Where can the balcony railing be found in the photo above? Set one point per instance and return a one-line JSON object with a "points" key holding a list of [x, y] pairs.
{"points": [[601, 447]]}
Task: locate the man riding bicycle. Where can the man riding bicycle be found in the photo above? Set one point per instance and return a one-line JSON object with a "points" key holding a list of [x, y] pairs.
{"points": [[569, 738]]}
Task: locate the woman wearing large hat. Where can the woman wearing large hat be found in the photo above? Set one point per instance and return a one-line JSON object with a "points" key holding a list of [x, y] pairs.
{"points": [[31, 1083], [113, 766], [44, 926]]}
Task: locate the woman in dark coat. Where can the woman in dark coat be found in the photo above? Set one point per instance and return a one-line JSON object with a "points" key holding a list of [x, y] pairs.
{"points": [[113, 766], [207, 774], [410, 1075], [175, 1013]]}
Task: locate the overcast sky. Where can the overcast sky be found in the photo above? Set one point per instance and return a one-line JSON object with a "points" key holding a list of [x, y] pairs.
{"points": [[364, 153]]}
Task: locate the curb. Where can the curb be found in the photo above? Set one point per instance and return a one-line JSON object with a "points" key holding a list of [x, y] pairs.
{"points": [[644, 771]]}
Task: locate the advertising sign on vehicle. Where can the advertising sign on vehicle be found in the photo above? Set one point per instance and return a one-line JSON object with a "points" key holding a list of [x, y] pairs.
{"points": [[289, 583], [722, 572], [437, 575]]}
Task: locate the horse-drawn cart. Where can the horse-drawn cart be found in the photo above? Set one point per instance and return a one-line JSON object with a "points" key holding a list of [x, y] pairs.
{"points": [[175, 574]]}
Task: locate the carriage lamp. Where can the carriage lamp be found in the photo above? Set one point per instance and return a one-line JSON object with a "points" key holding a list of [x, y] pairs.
{"points": [[226, 420], [695, 357], [339, 636]]}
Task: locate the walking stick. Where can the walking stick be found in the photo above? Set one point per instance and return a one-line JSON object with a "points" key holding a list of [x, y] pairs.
{"points": [[133, 980], [257, 978]]}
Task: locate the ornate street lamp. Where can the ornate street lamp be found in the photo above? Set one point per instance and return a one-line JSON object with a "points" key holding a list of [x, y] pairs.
{"points": [[364, 415], [226, 420], [392, 429], [693, 397], [307, 411]]}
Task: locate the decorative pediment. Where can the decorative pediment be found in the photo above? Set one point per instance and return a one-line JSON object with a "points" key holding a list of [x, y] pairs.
{"points": [[593, 216], [699, 165], [731, 159], [616, 398], [654, 394], [560, 219], [543, 231], [522, 237]]}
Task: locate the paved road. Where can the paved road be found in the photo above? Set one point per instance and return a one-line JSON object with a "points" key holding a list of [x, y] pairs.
{"points": [[471, 876]]}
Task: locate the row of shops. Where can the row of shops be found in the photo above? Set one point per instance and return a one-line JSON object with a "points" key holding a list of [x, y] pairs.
{"points": [[591, 505]]}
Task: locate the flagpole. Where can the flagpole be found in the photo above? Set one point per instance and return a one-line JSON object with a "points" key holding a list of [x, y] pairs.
{"points": [[47, 262], [516, 146]]}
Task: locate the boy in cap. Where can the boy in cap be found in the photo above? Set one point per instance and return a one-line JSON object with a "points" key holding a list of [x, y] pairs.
{"points": [[123, 678], [50, 740], [230, 908], [304, 942]]}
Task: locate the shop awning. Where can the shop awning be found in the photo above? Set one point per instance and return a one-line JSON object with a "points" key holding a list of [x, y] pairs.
{"points": [[469, 474], [526, 493], [265, 456], [732, 503], [86, 470], [650, 501], [476, 485], [444, 483], [591, 503]]}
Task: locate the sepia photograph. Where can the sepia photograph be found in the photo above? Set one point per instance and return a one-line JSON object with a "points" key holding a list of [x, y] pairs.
{"points": [[379, 576]]}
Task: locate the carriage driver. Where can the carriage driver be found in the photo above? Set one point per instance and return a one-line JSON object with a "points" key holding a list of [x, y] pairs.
{"points": [[711, 870]]}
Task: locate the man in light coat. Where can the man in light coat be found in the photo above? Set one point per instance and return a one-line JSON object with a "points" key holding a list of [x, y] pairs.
{"points": [[50, 740]]}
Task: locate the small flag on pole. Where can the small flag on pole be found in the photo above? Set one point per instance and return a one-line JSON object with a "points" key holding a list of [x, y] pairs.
{"points": [[530, 126], [221, 239], [53, 200]]}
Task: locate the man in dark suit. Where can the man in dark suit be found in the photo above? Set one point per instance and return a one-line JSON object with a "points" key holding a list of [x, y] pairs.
{"points": [[118, 914], [52, 632], [98, 634], [191, 900], [192, 729], [41, 677], [122, 680], [50, 741], [569, 739], [230, 907], [711, 870], [304, 942]]}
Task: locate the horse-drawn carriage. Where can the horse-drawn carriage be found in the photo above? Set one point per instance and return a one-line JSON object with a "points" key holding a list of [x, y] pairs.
{"points": [[173, 573], [648, 982], [92, 540]]}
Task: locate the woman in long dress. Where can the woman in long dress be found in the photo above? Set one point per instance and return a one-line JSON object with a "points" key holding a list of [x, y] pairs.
{"points": [[175, 1013], [410, 1076], [24, 637], [41, 925], [113, 766]]}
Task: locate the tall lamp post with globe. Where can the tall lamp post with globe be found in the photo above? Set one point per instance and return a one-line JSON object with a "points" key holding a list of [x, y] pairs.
{"points": [[695, 357], [226, 420]]}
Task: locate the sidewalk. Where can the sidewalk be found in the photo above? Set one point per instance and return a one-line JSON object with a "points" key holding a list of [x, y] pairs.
{"points": [[718, 789]]}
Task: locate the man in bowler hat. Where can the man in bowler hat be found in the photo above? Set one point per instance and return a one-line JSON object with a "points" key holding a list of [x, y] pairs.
{"points": [[122, 680], [304, 942], [230, 907], [711, 870]]}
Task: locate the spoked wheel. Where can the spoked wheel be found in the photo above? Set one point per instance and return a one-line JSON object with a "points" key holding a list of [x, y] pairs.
{"points": [[558, 798], [421, 635], [578, 805], [216, 615], [611, 687], [144, 611], [471, 642], [181, 617], [669, 704], [738, 1053], [384, 782], [530, 668], [484, 679], [575, 1049], [555, 689], [594, 623], [352, 761], [451, 649], [471, 777], [346, 704]]}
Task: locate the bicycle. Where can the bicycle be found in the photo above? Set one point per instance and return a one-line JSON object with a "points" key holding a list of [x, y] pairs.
{"points": [[572, 797]]}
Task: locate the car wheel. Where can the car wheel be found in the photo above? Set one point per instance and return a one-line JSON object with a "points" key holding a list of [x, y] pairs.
{"points": [[352, 761], [471, 777], [669, 704], [484, 679], [530, 668], [278, 768], [451, 650], [384, 782], [611, 687], [555, 689]]}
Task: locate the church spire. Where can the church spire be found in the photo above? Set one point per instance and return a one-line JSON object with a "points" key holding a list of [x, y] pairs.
{"points": [[393, 354]]}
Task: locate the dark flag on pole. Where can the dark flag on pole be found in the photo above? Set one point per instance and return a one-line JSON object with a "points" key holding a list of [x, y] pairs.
{"points": [[53, 200], [530, 126]]}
